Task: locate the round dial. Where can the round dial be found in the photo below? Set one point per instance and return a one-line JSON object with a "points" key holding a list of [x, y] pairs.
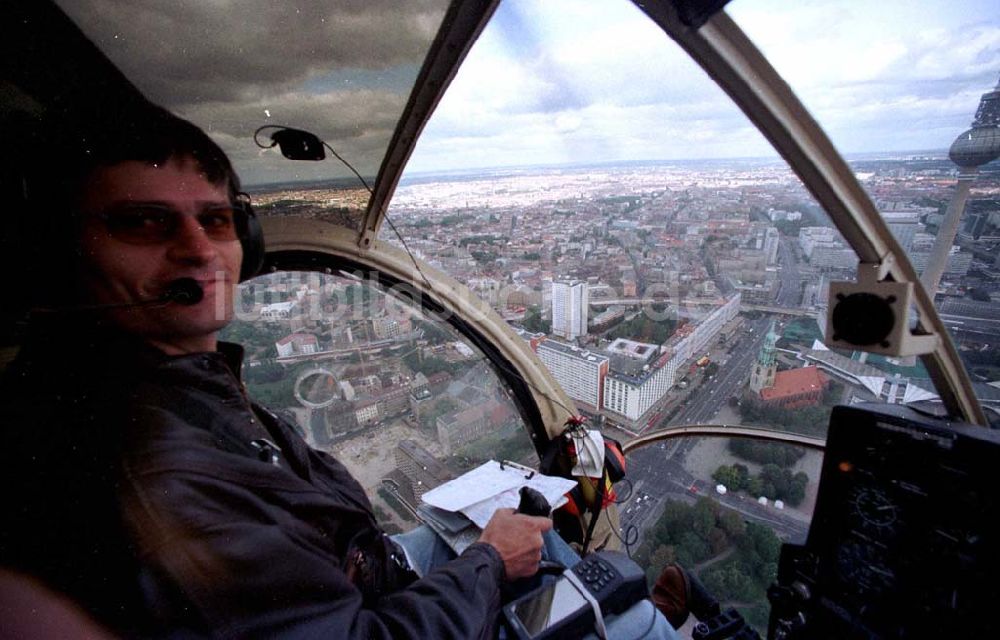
{"points": [[861, 565], [873, 508]]}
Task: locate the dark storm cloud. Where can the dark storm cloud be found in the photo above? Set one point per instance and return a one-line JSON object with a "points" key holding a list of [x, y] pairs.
{"points": [[342, 69], [358, 124], [188, 51], [334, 116]]}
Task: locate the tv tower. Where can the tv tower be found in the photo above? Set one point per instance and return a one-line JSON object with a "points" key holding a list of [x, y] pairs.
{"points": [[974, 148]]}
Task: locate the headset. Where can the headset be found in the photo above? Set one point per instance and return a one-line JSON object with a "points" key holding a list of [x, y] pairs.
{"points": [[252, 241]]}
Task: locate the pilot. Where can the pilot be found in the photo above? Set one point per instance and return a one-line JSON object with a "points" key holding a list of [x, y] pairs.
{"points": [[139, 477]]}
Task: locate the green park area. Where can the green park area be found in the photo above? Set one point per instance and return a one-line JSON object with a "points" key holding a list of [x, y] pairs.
{"points": [[736, 560]]}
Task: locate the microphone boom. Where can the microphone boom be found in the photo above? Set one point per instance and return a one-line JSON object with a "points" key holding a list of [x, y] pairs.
{"points": [[183, 291]]}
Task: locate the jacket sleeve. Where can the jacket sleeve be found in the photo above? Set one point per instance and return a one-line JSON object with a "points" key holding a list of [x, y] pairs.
{"points": [[219, 559]]}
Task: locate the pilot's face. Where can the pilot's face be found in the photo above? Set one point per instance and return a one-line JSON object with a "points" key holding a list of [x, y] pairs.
{"points": [[128, 260]]}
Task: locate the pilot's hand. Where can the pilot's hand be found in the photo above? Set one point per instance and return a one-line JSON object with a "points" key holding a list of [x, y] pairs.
{"points": [[518, 539]]}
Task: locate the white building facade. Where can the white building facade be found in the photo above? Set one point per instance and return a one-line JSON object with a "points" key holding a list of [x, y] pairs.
{"points": [[580, 372], [570, 305], [639, 377]]}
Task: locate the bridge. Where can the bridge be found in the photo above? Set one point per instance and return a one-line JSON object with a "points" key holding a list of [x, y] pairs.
{"points": [[788, 311], [635, 302], [698, 302]]}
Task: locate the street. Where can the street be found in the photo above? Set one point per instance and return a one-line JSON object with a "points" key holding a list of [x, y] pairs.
{"points": [[658, 470]]}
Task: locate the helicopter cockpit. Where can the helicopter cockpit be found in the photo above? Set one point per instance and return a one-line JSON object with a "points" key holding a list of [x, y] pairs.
{"points": [[711, 230]]}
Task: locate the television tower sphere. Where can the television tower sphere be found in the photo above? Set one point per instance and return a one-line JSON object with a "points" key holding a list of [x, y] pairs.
{"points": [[976, 147], [981, 143]]}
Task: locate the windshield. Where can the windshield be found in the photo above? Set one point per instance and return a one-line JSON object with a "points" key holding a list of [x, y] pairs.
{"points": [[911, 100], [585, 178], [666, 265]]}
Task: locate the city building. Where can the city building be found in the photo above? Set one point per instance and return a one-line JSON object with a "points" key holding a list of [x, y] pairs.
{"points": [[791, 389], [338, 418], [810, 237], [757, 293], [532, 338], [366, 411], [570, 307], [386, 326], [297, 344], [692, 338], [639, 377], [464, 426], [777, 215], [833, 256], [580, 372], [957, 263], [420, 467], [608, 318], [278, 310], [771, 244], [904, 225], [795, 388], [393, 400]]}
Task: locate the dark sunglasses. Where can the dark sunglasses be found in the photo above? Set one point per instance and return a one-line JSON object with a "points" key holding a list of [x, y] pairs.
{"points": [[155, 224]]}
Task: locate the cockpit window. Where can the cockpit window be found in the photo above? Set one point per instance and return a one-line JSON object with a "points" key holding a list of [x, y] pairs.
{"points": [[395, 393], [912, 101], [665, 264]]}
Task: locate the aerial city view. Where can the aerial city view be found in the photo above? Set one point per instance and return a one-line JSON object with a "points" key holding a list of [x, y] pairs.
{"points": [[656, 294], [466, 231]]}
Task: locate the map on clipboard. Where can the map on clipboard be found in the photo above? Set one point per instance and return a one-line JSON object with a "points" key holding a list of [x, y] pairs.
{"points": [[460, 508]]}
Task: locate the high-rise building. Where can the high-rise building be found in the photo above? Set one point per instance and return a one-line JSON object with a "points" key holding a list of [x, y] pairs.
{"points": [[771, 240], [570, 304]]}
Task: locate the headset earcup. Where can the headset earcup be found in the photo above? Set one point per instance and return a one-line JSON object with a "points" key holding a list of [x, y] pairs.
{"points": [[253, 247]]}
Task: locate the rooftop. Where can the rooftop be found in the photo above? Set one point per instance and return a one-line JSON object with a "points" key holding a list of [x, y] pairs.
{"points": [[572, 351], [795, 382]]}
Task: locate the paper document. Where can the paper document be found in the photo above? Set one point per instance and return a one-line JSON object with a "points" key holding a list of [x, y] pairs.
{"points": [[473, 498], [486, 480], [481, 512]]}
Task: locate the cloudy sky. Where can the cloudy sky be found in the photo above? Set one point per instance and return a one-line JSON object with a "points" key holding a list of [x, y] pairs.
{"points": [[549, 82], [592, 81]]}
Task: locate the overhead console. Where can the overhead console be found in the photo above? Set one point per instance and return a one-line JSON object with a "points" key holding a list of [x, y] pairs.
{"points": [[905, 537]]}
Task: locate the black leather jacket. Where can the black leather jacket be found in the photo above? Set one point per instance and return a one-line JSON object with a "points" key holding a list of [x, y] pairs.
{"points": [[132, 486]]}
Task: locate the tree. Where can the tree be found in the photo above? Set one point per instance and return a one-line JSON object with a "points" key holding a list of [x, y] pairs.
{"points": [[533, 320], [692, 549], [703, 518], [663, 556], [742, 474], [675, 520], [725, 475], [729, 583], [782, 455], [732, 523], [718, 541]]}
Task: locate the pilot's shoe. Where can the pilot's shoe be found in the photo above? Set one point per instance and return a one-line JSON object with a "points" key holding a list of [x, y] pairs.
{"points": [[671, 594], [677, 594]]}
